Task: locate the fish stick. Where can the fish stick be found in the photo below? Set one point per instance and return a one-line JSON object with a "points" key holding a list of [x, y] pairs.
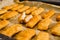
{"points": [[33, 21], [3, 11], [27, 18], [23, 9], [56, 29], [22, 17], [30, 10], [43, 25], [9, 7], [11, 30], [25, 34], [43, 36], [58, 17], [17, 7], [9, 14], [3, 23], [49, 14], [14, 5], [38, 11]]}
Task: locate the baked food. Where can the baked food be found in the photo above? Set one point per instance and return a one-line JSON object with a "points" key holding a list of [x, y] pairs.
{"points": [[9, 15], [3, 11], [17, 7], [38, 11], [3, 23], [56, 29], [11, 30], [30, 10], [49, 14], [9, 7], [30, 16], [25, 34], [44, 24], [43, 36], [23, 9], [33, 21]]}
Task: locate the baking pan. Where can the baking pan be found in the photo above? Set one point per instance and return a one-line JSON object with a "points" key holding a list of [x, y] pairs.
{"points": [[46, 6]]}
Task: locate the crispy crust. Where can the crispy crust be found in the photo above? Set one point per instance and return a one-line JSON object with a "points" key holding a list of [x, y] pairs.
{"points": [[25, 34], [11, 30], [33, 21]]}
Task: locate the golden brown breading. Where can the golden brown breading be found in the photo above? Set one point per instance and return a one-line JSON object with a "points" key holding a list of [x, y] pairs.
{"points": [[3, 23], [38, 11], [14, 5], [11, 30], [56, 29], [49, 14], [23, 9], [30, 10], [43, 36], [9, 14], [9, 7], [43, 25], [3, 11], [25, 34], [33, 21], [58, 17], [17, 7]]}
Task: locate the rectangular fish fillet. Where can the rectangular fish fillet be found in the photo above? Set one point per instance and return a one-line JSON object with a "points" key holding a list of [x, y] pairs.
{"points": [[38, 11], [9, 7], [33, 21], [11, 30], [26, 34], [23, 9], [3, 23], [44, 24], [43, 36], [30, 10], [49, 14], [17, 7], [9, 14]]}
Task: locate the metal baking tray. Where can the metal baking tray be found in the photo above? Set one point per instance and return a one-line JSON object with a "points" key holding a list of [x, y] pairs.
{"points": [[46, 6]]}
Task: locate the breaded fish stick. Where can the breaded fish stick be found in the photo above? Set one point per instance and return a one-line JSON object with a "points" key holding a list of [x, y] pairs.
{"points": [[14, 5], [25, 34], [33, 21], [22, 17], [43, 36], [17, 7], [23, 9], [43, 25], [58, 17], [38, 11], [27, 18], [3, 23], [3, 11], [56, 29], [49, 14], [9, 7], [9, 14], [30, 10], [11, 30]]}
